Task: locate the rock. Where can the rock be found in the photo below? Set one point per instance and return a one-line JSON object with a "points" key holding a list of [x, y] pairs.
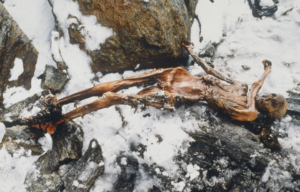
{"points": [[293, 104], [82, 174], [67, 146], [53, 79], [208, 51], [246, 67], [148, 33], [13, 112], [43, 183], [129, 172], [15, 47], [259, 11], [294, 100], [21, 140]]}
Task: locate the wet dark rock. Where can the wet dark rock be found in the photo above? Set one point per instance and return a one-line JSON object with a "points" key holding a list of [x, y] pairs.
{"points": [[22, 137], [14, 44], [81, 175], [53, 79], [67, 146], [129, 171], [259, 11], [13, 112], [153, 41]]}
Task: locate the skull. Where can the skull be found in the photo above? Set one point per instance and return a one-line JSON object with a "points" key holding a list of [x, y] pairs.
{"points": [[275, 105]]}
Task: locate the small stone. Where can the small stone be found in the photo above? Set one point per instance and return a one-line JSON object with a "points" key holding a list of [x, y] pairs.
{"points": [[246, 67], [22, 141], [208, 51], [53, 79]]}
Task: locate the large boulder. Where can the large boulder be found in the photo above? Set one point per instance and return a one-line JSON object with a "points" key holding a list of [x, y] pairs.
{"points": [[16, 50], [148, 33]]}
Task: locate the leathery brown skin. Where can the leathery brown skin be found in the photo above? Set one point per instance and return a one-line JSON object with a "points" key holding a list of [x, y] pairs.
{"points": [[174, 87]]}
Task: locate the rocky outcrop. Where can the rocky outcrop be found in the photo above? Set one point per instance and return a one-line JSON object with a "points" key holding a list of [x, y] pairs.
{"points": [[148, 33], [14, 44]]}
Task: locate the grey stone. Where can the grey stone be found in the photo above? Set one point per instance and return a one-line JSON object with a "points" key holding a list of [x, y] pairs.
{"points": [[246, 67], [67, 146], [208, 51], [43, 183], [22, 137], [14, 44], [53, 79], [293, 104], [81, 175], [12, 113]]}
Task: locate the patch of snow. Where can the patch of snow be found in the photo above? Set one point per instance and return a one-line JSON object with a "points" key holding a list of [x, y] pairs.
{"points": [[192, 171], [17, 70], [123, 161]]}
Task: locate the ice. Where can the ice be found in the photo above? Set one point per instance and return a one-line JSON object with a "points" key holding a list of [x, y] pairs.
{"points": [[17, 70]]}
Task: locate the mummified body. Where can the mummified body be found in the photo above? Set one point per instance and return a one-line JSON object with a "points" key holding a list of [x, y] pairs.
{"points": [[175, 86]]}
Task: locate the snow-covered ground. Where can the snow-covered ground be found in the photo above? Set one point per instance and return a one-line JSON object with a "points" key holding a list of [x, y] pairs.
{"points": [[243, 40]]}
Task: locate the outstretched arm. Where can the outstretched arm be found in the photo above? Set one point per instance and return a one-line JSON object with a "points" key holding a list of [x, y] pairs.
{"points": [[209, 70], [256, 86], [250, 113]]}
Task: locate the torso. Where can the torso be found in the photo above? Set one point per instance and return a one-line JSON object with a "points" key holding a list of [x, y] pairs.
{"points": [[218, 95]]}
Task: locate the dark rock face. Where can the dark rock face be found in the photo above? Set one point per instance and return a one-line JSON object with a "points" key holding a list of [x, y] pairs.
{"points": [[53, 79], [146, 33], [18, 137], [67, 146], [129, 171], [14, 44], [82, 174]]}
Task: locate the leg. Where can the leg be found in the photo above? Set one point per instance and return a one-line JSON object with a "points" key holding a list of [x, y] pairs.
{"points": [[152, 96], [209, 70], [113, 86]]}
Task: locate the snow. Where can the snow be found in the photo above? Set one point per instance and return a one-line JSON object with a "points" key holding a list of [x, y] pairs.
{"points": [[242, 39], [17, 70]]}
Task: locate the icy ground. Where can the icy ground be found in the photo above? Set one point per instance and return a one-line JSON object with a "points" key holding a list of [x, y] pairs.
{"points": [[242, 39]]}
